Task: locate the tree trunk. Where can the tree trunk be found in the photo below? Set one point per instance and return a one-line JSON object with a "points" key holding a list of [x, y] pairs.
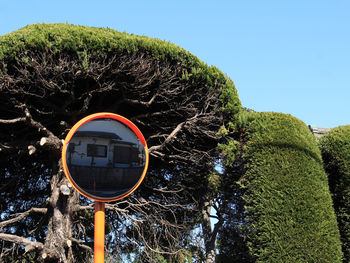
{"points": [[59, 232], [209, 235]]}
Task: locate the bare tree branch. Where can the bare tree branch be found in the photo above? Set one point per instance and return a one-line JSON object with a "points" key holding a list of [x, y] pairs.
{"points": [[22, 241], [20, 216], [169, 138], [13, 120], [80, 244], [38, 125], [30, 245]]}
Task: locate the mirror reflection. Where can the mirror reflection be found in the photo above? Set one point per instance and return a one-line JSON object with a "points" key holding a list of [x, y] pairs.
{"points": [[105, 158]]}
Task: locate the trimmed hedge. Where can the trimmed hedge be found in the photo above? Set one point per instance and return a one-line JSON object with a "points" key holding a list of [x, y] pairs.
{"points": [[66, 37], [335, 148], [290, 216], [88, 47], [91, 41]]}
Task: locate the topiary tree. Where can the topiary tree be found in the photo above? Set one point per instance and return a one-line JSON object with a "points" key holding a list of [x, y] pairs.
{"points": [[52, 75], [335, 148], [287, 208]]}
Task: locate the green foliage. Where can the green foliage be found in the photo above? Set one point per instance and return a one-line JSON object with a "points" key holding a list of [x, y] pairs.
{"points": [[83, 59], [84, 56], [59, 37], [335, 148], [244, 118], [161, 259], [288, 205], [89, 41], [228, 152], [214, 182], [231, 104]]}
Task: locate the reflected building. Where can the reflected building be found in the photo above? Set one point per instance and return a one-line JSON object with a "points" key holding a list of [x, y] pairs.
{"points": [[105, 158]]}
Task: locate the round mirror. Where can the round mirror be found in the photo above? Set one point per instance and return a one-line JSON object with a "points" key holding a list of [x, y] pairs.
{"points": [[105, 157]]}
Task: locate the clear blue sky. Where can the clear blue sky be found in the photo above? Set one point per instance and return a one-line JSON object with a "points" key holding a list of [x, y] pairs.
{"points": [[284, 56]]}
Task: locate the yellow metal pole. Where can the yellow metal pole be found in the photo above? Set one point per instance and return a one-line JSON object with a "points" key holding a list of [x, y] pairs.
{"points": [[99, 242]]}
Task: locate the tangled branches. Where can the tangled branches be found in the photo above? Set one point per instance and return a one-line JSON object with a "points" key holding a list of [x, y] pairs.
{"points": [[43, 94]]}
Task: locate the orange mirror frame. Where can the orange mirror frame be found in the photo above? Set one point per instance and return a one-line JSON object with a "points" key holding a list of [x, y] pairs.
{"points": [[118, 118]]}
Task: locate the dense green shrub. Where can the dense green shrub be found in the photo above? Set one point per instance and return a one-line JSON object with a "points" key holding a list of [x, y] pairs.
{"points": [[289, 212], [335, 148], [289, 215], [88, 42]]}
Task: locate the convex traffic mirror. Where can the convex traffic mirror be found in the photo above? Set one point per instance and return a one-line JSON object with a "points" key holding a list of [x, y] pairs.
{"points": [[105, 157]]}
